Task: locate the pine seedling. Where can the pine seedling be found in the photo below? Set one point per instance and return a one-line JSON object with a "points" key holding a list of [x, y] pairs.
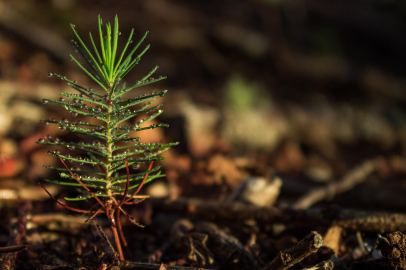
{"points": [[109, 150]]}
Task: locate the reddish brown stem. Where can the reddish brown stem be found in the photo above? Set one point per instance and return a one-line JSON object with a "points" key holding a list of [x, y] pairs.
{"points": [[142, 183], [120, 231], [83, 185], [107, 210], [130, 218], [117, 239], [64, 205], [140, 200], [102, 169], [111, 220], [95, 214]]}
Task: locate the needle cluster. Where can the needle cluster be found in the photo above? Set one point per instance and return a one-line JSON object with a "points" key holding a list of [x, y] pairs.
{"points": [[112, 143], [110, 155]]}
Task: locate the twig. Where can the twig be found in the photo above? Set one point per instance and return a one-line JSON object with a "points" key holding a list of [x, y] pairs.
{"points": [[361, 242], [149, 266], [102, 238], [122, 237], [350, 180], [140, 186], [117, 240], [63, 205], [325, 265], [319, 217], [225, 247], [47, 218], [83, 185], [289, 257], [12, 249]]}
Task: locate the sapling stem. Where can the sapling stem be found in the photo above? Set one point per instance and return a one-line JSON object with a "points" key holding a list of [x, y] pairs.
{"points": [[109, 145]]}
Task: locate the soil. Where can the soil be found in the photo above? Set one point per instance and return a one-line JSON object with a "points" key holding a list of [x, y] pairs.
{"points": [[292, 127]]}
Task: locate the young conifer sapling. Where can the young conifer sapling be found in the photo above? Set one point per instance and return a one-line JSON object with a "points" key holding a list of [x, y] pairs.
{"points": [[110, 155]]}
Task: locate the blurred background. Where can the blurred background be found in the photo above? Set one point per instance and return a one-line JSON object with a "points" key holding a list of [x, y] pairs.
{"points": [[303, 89]]}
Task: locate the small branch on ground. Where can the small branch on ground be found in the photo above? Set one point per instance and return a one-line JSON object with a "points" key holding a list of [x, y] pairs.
{"points": [[149, 266], [381, 222], [289, 257], [226, 248], [47, 218], [354, 177], [325, 265], [12, 249], [99, 234]]}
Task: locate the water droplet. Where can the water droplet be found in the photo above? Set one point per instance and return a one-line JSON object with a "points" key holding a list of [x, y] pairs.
{"points": [[74, 114], [96, 144], [44, 101], [99, 193], [65, 120], [41, 140], [136, 166], [81, 143], [71, 147], [131, 41], [62, 128], [80, 197], [49, 74]]}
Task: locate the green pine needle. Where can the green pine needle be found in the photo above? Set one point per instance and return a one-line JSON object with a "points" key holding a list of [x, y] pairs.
{"points": [[108, 143]]}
